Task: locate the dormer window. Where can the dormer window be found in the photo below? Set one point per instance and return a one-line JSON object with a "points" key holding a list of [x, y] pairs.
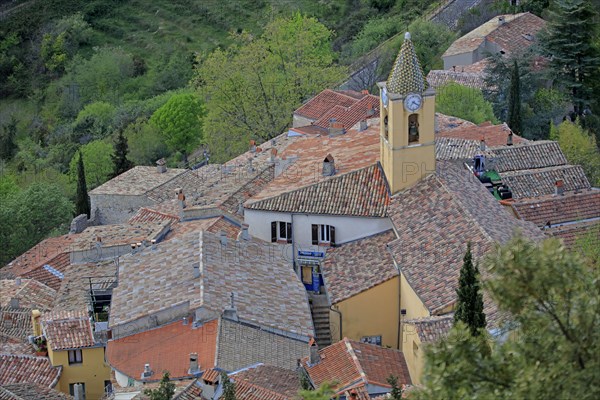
{"points": [[413, 128]]}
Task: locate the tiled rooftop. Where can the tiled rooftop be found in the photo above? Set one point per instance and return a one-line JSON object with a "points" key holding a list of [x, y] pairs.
{"points": [[137, 181], [494, 135], [28, 369], [68, 330], [214, 225], [145, 215], [15, 324], [119, 234], [447, 122], [542, 181], [357, 266], [46, 273], [146, 286], [30, 391], [579, 236], [325, 101], [509, 36], [278, 380], [31, 294], [166, 348], [10, 345], [192, 392], [446, 209], [361, 192], [554, 210], [40, 254], [455, 148], [241, 345], [529, 155], [441, 77], [355, 364], [430, 329], [247, 391], [351, 115]]}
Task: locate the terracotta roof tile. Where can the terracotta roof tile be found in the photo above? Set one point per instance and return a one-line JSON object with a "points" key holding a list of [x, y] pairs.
{"points": [[455, 148], [145, 215], [44, 275], [15, 346], [528, 155], [494, 135], [357, 266], [211, 375], [146, 287], [15, 324], [68, 330], [554, 210], [447, 122], [355, 364], [508, 36], [542, 181], [166, 348], [40, 254], [362, 192], [323, 102], [349, 116], [28, 369], [441, 77], [137, 181], [242, 344], [30, 391], [283, 382], [192, 392], [31, 294], [119, 234], [431, 329], [571, 235]]}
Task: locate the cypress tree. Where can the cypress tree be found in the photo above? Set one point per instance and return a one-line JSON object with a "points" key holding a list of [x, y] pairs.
{"points": [[119, 158], [569, 43], [514, 101], [82, 201], [469, 307], [228, 387]]}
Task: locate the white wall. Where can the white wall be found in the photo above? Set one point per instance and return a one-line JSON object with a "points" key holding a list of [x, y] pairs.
{"points": [[346, 228]]}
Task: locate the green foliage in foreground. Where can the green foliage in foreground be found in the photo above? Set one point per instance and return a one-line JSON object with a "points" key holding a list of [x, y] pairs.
{"points": [[552, 297]]}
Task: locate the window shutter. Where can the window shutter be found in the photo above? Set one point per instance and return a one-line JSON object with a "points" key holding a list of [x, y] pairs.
{"points": [[332, 236], [289, 232], [315, 234], [273, 231]]}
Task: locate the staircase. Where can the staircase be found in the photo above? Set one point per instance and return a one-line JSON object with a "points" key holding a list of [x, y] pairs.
{"points": [[319, 308]]}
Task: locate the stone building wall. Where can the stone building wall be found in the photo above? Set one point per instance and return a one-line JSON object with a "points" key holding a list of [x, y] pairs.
{"points": [[116, 209]]}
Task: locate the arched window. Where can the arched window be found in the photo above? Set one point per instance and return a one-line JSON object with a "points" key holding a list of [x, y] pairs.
{"points": [[385, 127], [413, 128]]}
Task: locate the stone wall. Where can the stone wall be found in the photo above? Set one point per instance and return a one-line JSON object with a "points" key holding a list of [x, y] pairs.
{"points": [[116, 209]]}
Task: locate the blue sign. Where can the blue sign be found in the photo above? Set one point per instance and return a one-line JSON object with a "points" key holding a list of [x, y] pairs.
{"points": [[311, 253]]}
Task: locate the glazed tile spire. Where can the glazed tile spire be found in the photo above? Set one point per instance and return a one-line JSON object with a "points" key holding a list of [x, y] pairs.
{"points": [[406, 75]]}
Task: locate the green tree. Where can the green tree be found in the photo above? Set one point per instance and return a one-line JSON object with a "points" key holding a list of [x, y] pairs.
{"points": [[180, 121], [580, 148], [569, 42], [165, 391], [8, 133], [469, 305], [146, 144], [94, 121], [119, 158], [430, 41], [514, 101], [324, 392], [396, 392], [551, 297], [253, 86], [82, 199], [97, 161], [228, 387], [464, 102]]}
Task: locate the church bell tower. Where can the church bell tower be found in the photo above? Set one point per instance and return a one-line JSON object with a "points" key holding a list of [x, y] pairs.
{"points": [[407, 133]]}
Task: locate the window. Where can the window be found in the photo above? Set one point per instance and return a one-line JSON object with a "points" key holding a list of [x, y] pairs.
{"points": [[72, 388], [323, 234], [371, 340], [413, 128], [75, 356], [108, 387], [281, 231]]}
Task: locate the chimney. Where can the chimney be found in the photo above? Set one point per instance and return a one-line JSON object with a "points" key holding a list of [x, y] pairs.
{"points": [[328, 166], [196, 267], [252, 146], [185, 320], [161, 166], [370, 111], [244, 232], [335, 128], [482, 144], [147, 371], [223, 237], [231, 312], [364, 91], [314, 356], [194, 367], [559, 188], [78, 393], [501, 20], [14, 302], [509, 139], [273, 154], [18, 281], [363, 125]]}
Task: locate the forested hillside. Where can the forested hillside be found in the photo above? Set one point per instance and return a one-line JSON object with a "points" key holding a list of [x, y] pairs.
{"points": [[74, 75]]}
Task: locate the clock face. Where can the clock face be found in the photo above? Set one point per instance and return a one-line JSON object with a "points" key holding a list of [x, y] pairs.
{"points": [[384, 97], [413, 102]]}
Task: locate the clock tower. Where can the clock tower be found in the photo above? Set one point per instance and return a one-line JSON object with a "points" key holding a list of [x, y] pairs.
{"points": [[407, 133]]}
